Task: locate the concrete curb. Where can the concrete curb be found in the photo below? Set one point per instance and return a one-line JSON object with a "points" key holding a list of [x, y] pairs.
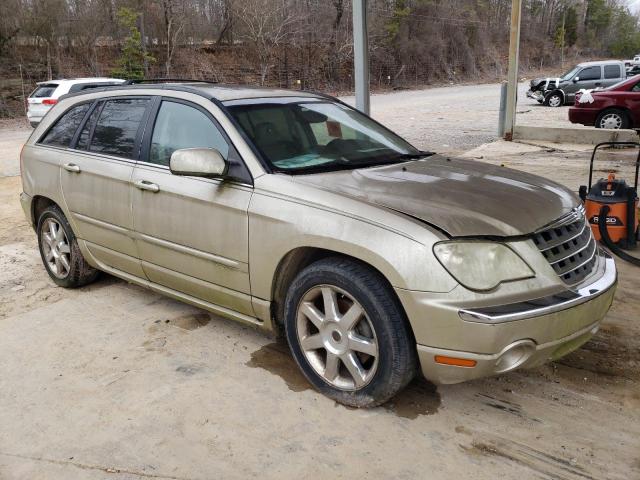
{"points": [[588, 136]]}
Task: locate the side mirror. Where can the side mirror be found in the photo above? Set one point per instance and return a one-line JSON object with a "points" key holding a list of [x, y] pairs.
{"points": [[583, 192], [198, 162], [576, 79]]}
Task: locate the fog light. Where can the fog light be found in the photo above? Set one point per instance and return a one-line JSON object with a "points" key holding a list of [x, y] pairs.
{"points": [[514, 355]]}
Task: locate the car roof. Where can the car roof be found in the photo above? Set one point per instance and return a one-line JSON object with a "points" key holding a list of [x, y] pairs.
{"points": [[600, 62], [220, 92]]}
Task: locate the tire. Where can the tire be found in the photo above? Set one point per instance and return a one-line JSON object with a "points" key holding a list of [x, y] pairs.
{"points": [[60, 252], [377, 345], [613, 119], [554, 99]]}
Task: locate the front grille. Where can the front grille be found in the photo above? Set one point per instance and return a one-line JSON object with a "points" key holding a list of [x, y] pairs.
{"points": [[569, 246]]}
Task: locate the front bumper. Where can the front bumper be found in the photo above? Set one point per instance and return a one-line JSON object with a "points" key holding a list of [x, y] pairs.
{"points": [[502, 338], [537, 95]]}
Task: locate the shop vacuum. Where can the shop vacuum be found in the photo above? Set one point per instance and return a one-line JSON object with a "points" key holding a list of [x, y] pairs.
{"points": [[611, 207]]}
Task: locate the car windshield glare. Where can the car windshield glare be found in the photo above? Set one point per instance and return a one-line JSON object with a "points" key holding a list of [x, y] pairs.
{"points": [[318, 135]]}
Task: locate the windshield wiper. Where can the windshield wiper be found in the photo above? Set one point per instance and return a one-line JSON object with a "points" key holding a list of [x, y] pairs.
{"points": [[414, 156]]}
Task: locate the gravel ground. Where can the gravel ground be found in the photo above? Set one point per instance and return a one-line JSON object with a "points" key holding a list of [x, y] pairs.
{"points": [[457, 118], [116, 382]]}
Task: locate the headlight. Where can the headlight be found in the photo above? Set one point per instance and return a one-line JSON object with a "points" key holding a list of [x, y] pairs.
{"points": [[481, 265]]}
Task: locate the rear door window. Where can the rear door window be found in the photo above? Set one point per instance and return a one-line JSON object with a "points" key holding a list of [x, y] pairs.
{"points": [[117, 127], [612, 71], [44, 91], [62, 132], [590, 73]]}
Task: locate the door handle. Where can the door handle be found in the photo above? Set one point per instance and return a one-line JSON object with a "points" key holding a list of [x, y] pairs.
{"points": [[71, 167], [144, 185]]}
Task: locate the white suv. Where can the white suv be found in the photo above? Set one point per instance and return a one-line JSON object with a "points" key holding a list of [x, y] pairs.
{"points": [[47, 93]]}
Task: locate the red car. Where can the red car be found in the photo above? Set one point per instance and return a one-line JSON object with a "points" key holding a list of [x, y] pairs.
{"points": [[615, 107]]}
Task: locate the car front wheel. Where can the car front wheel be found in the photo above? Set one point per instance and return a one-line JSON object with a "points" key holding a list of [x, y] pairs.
{"points": [[554, 100], [60, 252], [348, 333]]}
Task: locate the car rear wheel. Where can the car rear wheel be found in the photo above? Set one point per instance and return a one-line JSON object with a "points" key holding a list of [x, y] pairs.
{"points": [[60, 252], [348, 333], [554, 99], [613, 119]]}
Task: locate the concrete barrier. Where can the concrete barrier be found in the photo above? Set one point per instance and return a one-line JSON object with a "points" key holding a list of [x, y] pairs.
{"points": [[588, 136]]}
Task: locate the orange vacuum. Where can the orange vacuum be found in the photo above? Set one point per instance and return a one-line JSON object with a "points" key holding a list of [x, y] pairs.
{"points": [[611, 207]]}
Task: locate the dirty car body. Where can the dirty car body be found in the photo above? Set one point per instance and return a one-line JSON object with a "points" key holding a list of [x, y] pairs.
{"points": [[302, 213]]}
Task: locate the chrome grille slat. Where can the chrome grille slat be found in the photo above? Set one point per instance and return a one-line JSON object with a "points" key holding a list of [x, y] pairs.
{"points": [[572, 266], [563, 240], [569, 246], [566, 257]]}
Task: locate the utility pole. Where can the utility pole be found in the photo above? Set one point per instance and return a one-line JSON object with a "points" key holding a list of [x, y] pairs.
{"points": [[361, 55], [512, 77], [564, 17]]}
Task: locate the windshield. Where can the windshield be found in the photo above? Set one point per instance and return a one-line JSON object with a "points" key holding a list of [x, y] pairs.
{"points": [[570, 74], [302, 136]]}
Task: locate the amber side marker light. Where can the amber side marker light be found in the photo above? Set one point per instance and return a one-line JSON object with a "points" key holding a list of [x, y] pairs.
{"points": [[457, 362]]}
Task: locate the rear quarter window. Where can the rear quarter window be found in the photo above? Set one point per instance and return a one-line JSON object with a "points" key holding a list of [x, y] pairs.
{"points": [[44, 91], [62, 132]]}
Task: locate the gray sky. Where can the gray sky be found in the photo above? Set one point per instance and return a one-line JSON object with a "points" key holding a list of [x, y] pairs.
{"points": [[634, 5]]}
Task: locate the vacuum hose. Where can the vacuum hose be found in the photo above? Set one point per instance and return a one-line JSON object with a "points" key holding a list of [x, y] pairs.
{"points": [[604, 234]]}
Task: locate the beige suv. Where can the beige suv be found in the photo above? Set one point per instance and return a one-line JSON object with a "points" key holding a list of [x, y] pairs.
{"points": [[291, 210]]}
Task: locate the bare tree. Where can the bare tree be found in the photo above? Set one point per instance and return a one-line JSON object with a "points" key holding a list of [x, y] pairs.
{"points": [[174, 23], [265, 27]]}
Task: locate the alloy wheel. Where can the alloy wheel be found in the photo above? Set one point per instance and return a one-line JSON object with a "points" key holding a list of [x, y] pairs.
{"points": [[337, 337], [555, 101], [56, 248], [611, 121]]}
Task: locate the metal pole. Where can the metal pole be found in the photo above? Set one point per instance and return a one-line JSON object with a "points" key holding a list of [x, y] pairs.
{"points": [[361, 55], [564, 16], [512, 77], [503, 109]]}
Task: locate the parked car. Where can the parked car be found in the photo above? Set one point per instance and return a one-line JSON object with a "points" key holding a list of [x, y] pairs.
{"points": [[633, 71], [291, 210], [556, 92], [615, 107], [47, 94]]}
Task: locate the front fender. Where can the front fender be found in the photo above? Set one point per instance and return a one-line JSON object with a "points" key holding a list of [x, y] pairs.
{"points": [[279, 224]]}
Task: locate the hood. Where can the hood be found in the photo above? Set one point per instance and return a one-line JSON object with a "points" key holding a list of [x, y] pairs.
{"points": [[460, 197], [542, 82]]}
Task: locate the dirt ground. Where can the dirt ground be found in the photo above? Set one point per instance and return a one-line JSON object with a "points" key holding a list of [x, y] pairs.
{"points": [[116, 382]]}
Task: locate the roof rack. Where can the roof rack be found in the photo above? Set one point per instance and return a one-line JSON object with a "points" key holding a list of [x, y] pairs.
{"points": [[167, 80]]}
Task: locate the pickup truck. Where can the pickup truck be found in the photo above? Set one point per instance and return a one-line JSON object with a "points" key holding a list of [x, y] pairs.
{"points": [[556, 92]]}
